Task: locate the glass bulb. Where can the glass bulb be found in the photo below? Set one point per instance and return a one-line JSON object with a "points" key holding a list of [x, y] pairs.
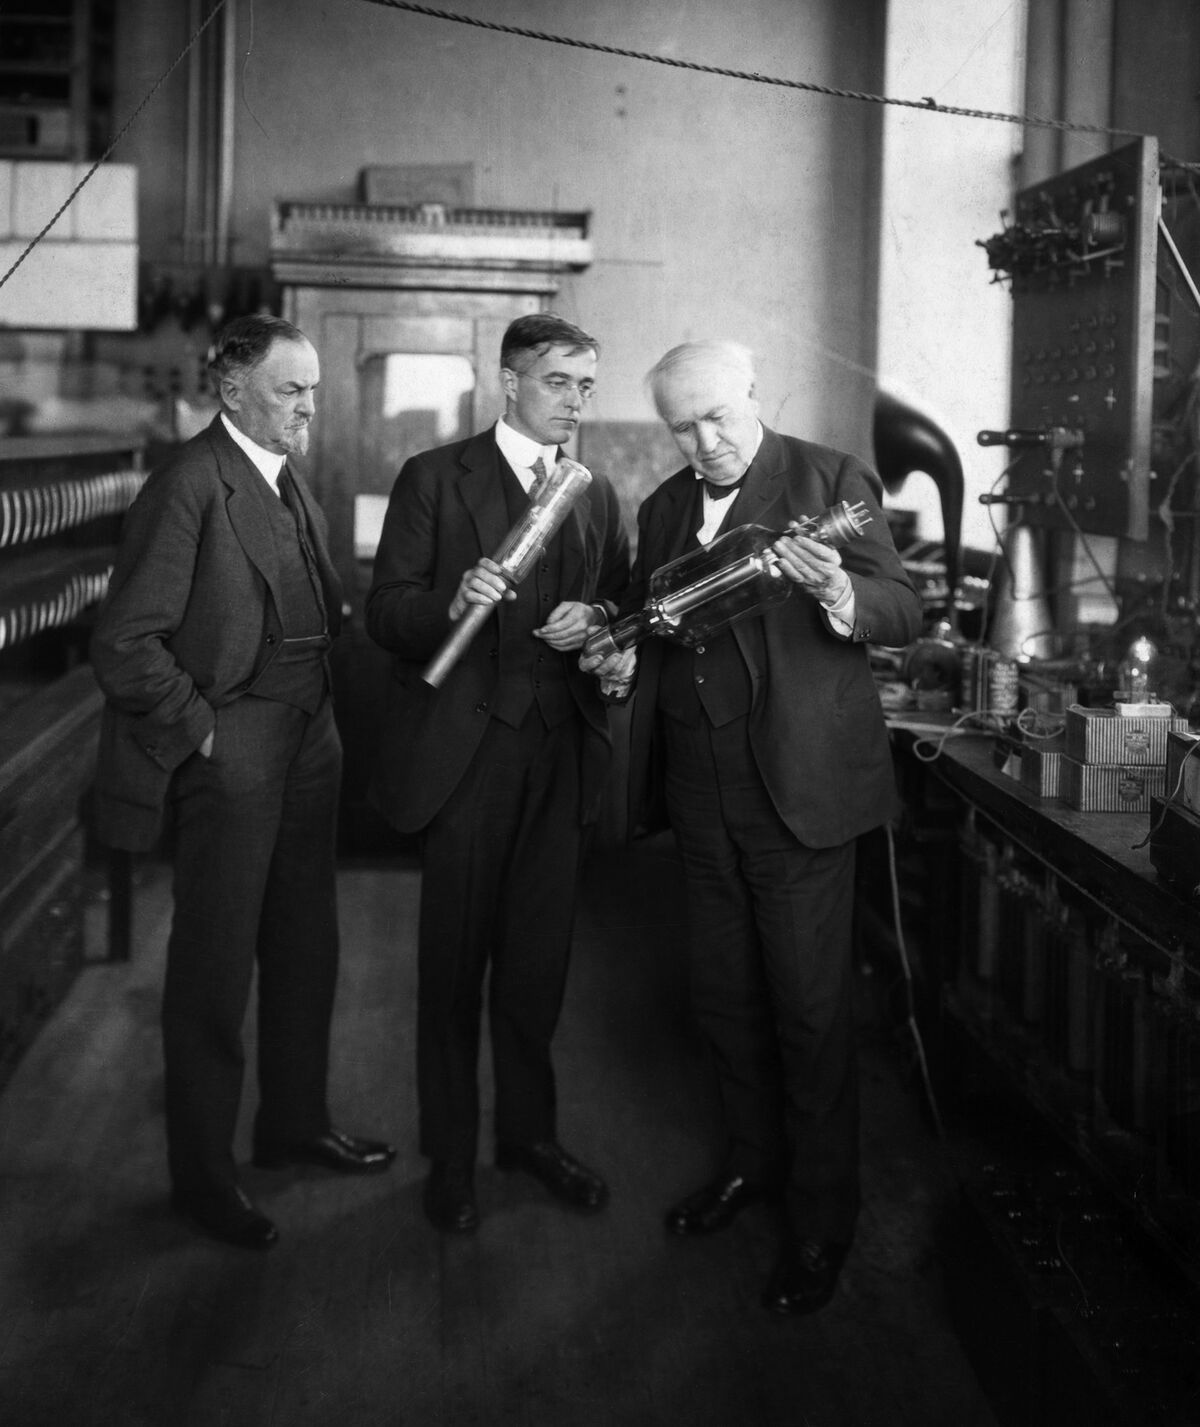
{"points": [[1133, 673]]}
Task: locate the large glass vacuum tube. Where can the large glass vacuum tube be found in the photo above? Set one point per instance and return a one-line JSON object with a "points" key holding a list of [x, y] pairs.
{"points": [[737, 574]]}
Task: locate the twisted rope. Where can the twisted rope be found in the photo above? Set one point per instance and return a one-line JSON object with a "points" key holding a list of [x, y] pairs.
{"points": [[128, 124], [750, 76]]}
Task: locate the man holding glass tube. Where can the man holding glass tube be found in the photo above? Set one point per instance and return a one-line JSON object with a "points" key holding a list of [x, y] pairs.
{"points": [[776, 758], [500, 764]]}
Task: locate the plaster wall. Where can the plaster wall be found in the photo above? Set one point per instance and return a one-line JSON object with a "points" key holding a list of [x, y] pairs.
{"points": [[721, 207], [944, 326]]}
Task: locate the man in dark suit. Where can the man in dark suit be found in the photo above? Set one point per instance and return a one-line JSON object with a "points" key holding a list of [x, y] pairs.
{"points": [[211, 648], [501, 766], [776, 758]]}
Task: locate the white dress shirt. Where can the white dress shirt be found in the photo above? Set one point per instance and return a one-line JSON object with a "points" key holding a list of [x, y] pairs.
{"points": [[520, 453], [268, 463]]}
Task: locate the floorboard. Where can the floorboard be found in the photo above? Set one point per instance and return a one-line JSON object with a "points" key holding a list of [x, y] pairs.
{"points": [[112, 1314]]}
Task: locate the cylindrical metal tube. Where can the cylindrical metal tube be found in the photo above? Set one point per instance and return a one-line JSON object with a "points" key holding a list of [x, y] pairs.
{"points": [[674, 606], [557, 494], [454, 646]]}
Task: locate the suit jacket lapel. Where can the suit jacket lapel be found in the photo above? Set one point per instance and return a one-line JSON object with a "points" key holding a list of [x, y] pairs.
{"points": [[244, 505], [759, 502], [481, 492], [763, 488], [674, 525]]}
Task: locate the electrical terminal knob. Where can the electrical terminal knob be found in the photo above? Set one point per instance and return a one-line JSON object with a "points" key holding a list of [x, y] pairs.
{"points": [[837, 525], [1058, 438]]}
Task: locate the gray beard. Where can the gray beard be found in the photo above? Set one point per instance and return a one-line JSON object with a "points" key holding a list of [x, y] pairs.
{"points": [[295, 443]]}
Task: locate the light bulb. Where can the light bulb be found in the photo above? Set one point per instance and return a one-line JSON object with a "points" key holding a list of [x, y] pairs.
{"points": [[1133, 672]]}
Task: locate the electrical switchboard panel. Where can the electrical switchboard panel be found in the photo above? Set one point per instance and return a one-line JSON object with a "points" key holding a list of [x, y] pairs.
{"points": [[1081, 255]]}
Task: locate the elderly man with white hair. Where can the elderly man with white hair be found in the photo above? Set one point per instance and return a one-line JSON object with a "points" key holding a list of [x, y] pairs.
{"points": [[771, 751]]}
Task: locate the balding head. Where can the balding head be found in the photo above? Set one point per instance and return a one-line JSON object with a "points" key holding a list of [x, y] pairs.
{"points": [[705, 392], [731, 358]]}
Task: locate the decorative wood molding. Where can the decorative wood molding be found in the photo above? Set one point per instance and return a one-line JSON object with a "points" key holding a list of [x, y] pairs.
{"points": [[426, 245]]}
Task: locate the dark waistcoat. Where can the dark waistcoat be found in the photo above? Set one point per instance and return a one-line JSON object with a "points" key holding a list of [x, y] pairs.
{"points": [[298, 674]]}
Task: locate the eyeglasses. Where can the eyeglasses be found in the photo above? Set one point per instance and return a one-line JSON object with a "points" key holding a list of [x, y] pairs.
{"points": [[560, 386]]}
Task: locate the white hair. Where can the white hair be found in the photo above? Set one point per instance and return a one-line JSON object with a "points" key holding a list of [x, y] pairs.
{"points": [[711, 355]]}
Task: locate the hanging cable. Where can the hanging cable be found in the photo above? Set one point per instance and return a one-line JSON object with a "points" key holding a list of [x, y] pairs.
{"points": [[909, 1002], [927, 103], [128, 124]]}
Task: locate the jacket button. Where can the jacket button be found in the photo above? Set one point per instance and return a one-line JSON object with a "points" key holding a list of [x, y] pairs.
{"points": [[270, 639], [481, 706]]}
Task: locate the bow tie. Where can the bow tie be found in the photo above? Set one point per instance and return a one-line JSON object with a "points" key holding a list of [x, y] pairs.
{"points": [[720, 492]]}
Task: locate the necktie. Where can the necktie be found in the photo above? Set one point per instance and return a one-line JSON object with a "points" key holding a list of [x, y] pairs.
{"points": [[291, 499], [287, 492], [539, 478]]}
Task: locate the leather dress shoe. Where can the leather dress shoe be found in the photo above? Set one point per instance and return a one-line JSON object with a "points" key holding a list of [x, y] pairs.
{"points": [[227, 1214], [348, 1154], [560, 1172], [449, 1198], [715, 1206], [805, 1277]]}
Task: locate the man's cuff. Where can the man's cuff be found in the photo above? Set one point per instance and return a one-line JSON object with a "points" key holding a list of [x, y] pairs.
{"points": [[842, 611]]}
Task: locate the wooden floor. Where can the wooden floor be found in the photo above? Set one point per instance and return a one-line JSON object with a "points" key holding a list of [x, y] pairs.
{"points": [[113, 1313]]}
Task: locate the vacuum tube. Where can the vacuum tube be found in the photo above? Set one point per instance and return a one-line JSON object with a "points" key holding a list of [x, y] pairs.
{"points": [[737, 574]]}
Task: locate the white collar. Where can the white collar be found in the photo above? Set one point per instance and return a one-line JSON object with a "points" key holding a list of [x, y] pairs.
{"points": [[520, 452], [267, 463]]}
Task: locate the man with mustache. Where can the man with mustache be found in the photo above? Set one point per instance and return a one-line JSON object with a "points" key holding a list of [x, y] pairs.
{"points": [[212, 650], [501, 767]]}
